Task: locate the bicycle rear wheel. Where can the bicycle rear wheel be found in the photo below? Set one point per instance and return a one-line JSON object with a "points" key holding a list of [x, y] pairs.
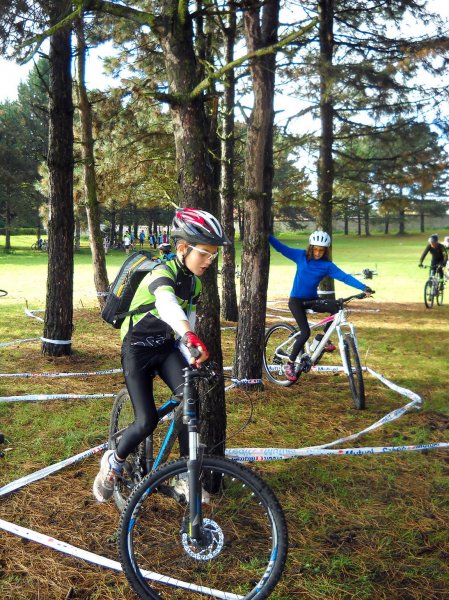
{"points": [[244, 557], [274, 360], [355, 376], [429, 293], [151, 453], [440, 293], [122, 415]]}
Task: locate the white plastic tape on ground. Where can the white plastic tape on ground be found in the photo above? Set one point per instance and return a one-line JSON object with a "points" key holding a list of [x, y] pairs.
{"points": [[4, 344], [40, 397], [102, 561], [87, 374], [18, 483], [263, 454], [251, 454]]}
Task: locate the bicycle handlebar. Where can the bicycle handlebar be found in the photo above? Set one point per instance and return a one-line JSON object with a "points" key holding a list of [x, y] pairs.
{"points": [[341, 301]]}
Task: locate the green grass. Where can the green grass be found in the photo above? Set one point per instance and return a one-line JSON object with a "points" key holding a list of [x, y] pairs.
{"points": [[372, 527], [395, 258]]}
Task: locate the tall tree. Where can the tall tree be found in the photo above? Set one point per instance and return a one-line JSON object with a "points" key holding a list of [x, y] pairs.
{"points": [[261, 31], [229, 294], [59, 303], [88, 162]]}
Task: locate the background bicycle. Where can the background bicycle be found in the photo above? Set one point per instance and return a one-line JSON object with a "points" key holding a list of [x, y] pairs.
{"points": [[433, 288], [280, 338], [40, 245], [3, 293], [230, 541]]}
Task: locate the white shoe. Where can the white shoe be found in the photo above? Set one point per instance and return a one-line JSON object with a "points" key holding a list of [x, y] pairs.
{"points": [[181, 487], [104, 481]]}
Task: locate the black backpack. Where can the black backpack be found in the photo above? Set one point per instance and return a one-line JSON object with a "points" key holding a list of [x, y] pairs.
{"points": [[124, 286]]}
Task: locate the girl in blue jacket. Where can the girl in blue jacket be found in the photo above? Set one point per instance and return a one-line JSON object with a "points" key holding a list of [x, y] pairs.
{"points": [[311, 266]]}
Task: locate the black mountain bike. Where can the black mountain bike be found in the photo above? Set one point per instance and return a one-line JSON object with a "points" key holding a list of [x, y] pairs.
{"points": [[433, 288], [224, 536]]}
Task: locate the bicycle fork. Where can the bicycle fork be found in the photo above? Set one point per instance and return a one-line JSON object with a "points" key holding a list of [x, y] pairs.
{"points": [[194, 528]]}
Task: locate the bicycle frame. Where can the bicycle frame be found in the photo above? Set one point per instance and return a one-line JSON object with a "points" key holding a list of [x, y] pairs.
{"points": [[338, 324]]}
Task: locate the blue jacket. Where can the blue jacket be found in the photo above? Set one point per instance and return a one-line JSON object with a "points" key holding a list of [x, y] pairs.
{"points": [[309, 273]]}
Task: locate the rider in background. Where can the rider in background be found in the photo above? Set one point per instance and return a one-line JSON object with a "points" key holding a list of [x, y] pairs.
{"points": [[439, 256], [156, 342], [311, 266], [165, 252]]}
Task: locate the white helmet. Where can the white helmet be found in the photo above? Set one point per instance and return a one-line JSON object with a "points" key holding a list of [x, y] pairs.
{"points": [[320, 238]]}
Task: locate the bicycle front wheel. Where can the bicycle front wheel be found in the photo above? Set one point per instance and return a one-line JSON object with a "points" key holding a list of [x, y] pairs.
{"points": [[355, 376], [429, 294], [274, 357], [247, 547]]}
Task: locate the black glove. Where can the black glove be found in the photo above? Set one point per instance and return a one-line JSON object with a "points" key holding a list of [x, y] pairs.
{"points": [[368, 290]]}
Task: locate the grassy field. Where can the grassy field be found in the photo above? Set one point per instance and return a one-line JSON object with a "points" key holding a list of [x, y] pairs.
{"points": [[361, 527]]}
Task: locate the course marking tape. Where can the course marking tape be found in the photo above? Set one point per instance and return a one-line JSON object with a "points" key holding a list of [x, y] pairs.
{"points": [[18, 483], [20, 342], [39, 397], [57, 342], [263, 454], [102, 561], [30, 313], [87, 374]]}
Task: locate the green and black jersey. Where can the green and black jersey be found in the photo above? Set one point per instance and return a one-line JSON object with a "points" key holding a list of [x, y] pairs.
{"points": [[169, 277]]}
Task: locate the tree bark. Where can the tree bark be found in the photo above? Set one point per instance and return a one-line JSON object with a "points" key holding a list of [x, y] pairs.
{"points": [[59, 303], [196, 177], [325, 169], [7, 223], [260, 30], [229, 309], [88, 158], [366, 220]]}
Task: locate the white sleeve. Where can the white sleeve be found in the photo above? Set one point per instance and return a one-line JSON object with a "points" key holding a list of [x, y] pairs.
{"points": [[169, 310]]}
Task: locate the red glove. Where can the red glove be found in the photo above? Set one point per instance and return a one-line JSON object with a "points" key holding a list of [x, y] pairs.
{"points": [[191, 340]]}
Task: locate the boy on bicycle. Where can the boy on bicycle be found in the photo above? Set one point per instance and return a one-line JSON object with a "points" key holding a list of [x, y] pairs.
{"points": [[156, 342], [439, 256]]}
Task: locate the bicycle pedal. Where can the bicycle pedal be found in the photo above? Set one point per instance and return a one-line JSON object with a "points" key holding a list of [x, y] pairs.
{"points": [[305, 364]]}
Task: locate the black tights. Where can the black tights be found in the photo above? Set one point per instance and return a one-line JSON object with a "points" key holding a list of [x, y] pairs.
{"points": [[140, 366], [298, 310]]}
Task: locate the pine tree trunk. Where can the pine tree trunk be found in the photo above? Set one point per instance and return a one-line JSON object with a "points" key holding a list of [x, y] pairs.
{"points": [[196, 178], [7, 223], [366, 220], [90, 186], [325, 161], [229, 309], [261, 27], [401, 215], [59, 303]]}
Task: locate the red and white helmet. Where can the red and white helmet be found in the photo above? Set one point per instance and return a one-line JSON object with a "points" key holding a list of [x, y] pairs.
{"points": [[198, 227], [320, 238]]}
